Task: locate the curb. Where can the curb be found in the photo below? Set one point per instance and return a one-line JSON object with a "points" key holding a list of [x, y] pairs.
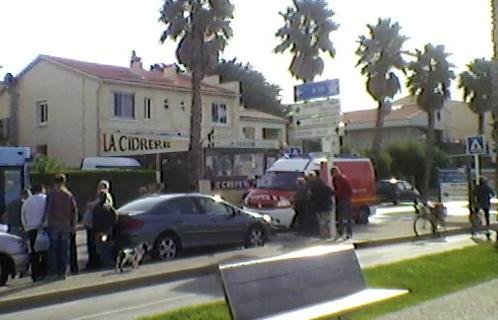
{"points": [[71, 294]]}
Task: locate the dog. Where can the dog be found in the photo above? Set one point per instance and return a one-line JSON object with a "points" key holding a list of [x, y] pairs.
{"points": [[130, 256]]}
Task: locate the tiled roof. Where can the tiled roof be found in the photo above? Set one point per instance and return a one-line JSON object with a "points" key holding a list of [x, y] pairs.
{"points": [[143, 78], [398, 112]]}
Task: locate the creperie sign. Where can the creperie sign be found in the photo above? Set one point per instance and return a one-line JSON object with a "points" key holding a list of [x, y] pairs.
{"points": [[115, 143]]}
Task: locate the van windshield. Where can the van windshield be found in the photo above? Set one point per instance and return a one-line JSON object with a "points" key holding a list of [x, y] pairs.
{"points": [[281, 180]]}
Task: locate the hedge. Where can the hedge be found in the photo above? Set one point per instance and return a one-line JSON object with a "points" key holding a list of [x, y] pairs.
{"points": [[83, 184]]}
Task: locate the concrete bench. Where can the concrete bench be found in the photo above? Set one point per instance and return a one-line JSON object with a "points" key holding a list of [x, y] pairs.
{"points": [[305, 284]]}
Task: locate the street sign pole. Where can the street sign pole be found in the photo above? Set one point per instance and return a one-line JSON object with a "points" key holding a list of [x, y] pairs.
{"points": [[477, 167]]}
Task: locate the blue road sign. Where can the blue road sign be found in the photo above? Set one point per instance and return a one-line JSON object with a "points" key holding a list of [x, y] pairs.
{"points": [[476, 145], [321, 89]]}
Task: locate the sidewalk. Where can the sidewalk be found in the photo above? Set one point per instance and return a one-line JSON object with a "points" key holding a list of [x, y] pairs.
{"points": [[475, 303], [385, 228]]}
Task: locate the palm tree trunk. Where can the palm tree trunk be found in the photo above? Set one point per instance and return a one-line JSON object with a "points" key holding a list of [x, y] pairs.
{"points": [[481, 123], [379, 123], [196, 154], [429, 153]]}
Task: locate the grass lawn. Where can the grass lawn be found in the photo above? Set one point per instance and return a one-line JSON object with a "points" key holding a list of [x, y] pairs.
{"points": [[427, 277]]}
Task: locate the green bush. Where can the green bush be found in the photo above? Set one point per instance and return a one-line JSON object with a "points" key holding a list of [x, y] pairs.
{"points": [[44, 164], [408, 161], [382, 164], [83, 183]]}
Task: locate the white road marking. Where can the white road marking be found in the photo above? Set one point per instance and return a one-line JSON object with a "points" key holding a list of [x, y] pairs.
{"points": [[143, 305]]}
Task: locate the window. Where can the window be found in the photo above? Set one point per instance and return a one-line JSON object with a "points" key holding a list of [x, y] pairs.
{"points": [[214, 208], [42, 149], [42, 112], [219, 165], [183, 206], [271, 134], [219, 113], [166, 104], [147, 109], [249, 133], [248, 164], [124, 105]]}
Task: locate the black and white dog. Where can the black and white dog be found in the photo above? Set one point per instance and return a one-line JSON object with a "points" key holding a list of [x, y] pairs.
{"points": [[131, 257]]}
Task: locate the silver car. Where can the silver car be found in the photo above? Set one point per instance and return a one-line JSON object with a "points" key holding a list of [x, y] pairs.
{"points": [[14, 256]]}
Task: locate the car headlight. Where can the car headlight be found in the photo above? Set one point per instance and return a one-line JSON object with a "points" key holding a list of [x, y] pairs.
{"points": [[267, 218], [283, 203]]}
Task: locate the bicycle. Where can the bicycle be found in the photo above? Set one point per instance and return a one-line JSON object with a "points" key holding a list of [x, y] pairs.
{"points": [[430, 219]]}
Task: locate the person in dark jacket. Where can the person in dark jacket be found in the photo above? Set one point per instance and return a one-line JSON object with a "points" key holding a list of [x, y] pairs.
{"points": [[13, 214], [301, 203], [321, 205], [343, 194], [104, 218], [483, 194]]}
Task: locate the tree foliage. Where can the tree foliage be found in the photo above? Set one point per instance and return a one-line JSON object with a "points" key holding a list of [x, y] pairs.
{"points": [[257, 92], [44, 164], [476, 83], [191, 20], [430, 77], [306, 33]]}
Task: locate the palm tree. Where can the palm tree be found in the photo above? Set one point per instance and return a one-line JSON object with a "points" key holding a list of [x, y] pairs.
{"points": [[429, 80], [306, 32], [477, 91], [203, 28], [10, 83], [380, 57]]}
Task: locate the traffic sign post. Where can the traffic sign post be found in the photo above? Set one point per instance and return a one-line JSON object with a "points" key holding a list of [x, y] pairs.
{"points": [[476, 145]]}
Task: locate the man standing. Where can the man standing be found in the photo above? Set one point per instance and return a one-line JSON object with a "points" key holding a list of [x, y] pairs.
{"points": [[301, 202], [61, 220], [33, 219], [343, 194], [321, 204], [483, 194]]}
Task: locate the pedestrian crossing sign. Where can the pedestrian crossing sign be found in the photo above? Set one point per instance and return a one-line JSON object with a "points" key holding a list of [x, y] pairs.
{"points": [[476, 145]]}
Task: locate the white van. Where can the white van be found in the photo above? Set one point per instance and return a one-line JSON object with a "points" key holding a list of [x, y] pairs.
{"points": [[95, 163]]}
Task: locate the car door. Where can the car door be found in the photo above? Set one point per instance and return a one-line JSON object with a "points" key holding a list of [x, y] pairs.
{"points": [[227, 226], [190, 221], [409, 193]]}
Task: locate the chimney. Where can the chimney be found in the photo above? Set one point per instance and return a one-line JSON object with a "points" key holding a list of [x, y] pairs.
{"points": [[135, 61], [170, 71]]}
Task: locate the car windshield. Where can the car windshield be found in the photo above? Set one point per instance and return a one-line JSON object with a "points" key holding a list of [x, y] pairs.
{"points": [[142, 204], [279, 180]]}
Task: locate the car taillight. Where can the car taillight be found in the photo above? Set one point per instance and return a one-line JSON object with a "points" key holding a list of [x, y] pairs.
{"points": [[132, 224]]}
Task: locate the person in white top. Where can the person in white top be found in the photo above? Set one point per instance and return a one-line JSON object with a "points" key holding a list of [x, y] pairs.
{"points": [[33, 220]]}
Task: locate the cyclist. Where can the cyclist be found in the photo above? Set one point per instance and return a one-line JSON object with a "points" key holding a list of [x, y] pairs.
{"points": [[483, 194]]}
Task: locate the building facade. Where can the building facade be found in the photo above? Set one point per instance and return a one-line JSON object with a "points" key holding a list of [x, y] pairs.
{"points": [[69, 110], [406, 121]]}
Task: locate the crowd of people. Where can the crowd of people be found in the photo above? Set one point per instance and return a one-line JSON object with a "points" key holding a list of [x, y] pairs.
{"points": [[313, 204], [48, 221]]}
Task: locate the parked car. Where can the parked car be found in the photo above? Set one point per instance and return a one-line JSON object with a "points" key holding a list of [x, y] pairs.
{"points": [[168, 223], [14, 256], [395, 191]]}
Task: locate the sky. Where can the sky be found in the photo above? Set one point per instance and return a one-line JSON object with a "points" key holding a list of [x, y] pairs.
{"points": [[106, 31]]}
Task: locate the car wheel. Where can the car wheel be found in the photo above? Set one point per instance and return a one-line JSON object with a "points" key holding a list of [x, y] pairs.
{"points": [[364, 215], [4, 271], [255, 237], [166, 247]]}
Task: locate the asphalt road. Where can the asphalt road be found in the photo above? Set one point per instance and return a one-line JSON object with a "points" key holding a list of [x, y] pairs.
{"points": [[172, 295]]}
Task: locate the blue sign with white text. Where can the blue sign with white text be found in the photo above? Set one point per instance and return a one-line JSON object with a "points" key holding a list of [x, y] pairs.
{"points": [[321, 89]]}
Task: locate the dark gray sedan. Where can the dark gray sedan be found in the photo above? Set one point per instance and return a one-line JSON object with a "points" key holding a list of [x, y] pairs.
{"points": [[168, 223]]}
